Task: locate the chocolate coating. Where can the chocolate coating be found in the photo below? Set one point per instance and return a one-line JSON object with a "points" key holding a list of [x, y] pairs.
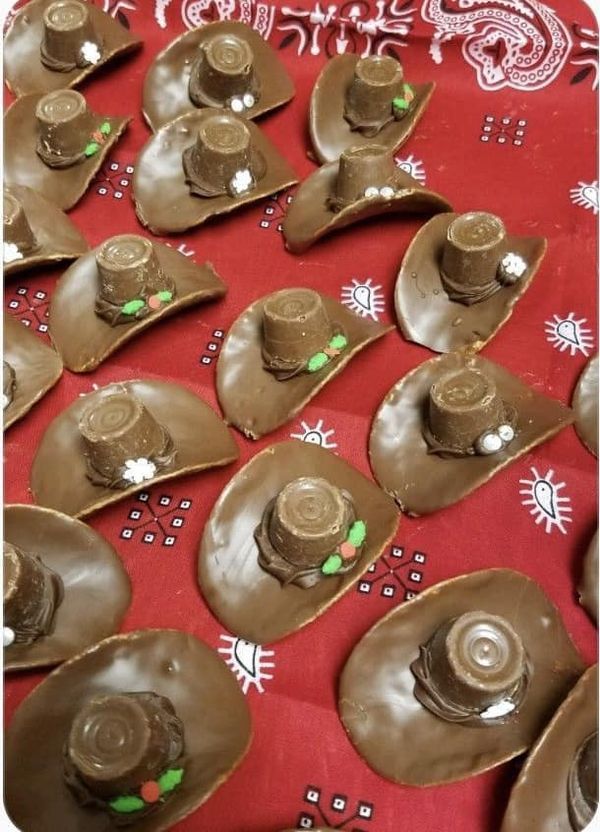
{"points": [[179, 68], [422, 482], [588, 583], [32, 593], [404, 741], [245, 598], [295, 326], [17, 230], [36, 368], [555, 788], [206, 698], [331, 132], [9, 382], [95, 589], [585, 405], [41, 55], [377, 80], [428, 316]]}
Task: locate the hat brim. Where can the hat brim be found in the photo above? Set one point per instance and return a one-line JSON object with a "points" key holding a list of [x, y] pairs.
{"points": [[56, 236], [37, 368], [538, 801], [587, 588], [22, 166], [585, 405], [406, 743], [166, 95], [163, 201], [241, 373], [308, 218], [250, 602], [423, 482], [85, 340], [96, 588], [200, 438], [24, 71], [331, 134], [204, 693], [426, 314]]}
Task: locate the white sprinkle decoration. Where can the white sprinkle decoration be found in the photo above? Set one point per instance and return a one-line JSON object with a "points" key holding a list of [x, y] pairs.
{"points": [[372, 192], [513, 264], [9, 636], [248, 100], [488, 443], [237, 105], [506, 433], [502, 708], [11, 252], [241, 182], [5, 401], [90, 52], [386, 192], [138, 470]]}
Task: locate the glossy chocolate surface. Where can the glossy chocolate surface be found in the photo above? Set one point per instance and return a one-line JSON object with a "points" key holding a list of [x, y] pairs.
{"points": [[24, 71], [95, 587], [330, 133], [422, 482], [23, 166], [37, 368], [426, 314], [311, 216], [405, 742], [162, 197], [200, 438], [247, 600], [585, 405], [85, 340], [204, 694], [166, 94], [252, 398], [539, 801], [588, 582]]}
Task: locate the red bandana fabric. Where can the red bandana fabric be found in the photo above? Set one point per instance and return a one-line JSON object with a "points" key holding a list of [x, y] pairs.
{"points": [[510, 129]]}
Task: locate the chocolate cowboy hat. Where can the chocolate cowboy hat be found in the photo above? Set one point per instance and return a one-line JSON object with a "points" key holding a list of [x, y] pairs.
{"points": [[449, 425], [65, 587], [54, 44], [281, 351], [588, 582], [56, 144], [117, 290], [557, 788], [358, 101], [222, 64], [31, 368], [585, 405], [290, 534], [458, 680], [139, 730], [460, 278], [36, 232], [364, 182], [122, 438], [202, 164]]}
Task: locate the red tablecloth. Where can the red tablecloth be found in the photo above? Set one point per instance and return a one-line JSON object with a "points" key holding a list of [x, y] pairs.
{"points": [[520, 143]]}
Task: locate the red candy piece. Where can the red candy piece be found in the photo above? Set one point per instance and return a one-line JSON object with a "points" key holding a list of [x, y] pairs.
{"points": [[154, 302], [150, 791], [98, 137], [347, 550], [329, 351]]}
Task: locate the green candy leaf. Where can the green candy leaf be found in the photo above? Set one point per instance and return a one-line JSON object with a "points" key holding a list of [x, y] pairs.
{"points": [[126, 804], [338, 342], [132, 306], [357, 533], [165, 297], [91, 148], [170, 779], [316, 362], [407, 89], [105, 128], [332, 565], [400, 104]]}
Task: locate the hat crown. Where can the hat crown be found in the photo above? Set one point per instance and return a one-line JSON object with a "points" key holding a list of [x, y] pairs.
{"points": [[360, 168], [223, 70], [377, 80], [69, 39], [310, 519], [9, 382], [32, 592], [582, 784], [117, 742], [17, 229], [473, 248], [128, 268], [296, 325], [64, 126]]}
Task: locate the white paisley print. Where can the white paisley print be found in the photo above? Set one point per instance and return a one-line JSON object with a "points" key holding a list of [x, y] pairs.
{"points": [[510, 43]]}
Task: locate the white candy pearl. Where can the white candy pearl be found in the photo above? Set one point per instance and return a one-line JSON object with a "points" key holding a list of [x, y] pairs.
{"points": [[9, 636], [506, 433], [248, 100], [387, 192], [371, 192], [489, 443], [237, 105]]}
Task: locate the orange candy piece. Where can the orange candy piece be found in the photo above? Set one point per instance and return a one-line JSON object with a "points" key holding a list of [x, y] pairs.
{"points": [[154, 302], [150, 791], [347, 550]]}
